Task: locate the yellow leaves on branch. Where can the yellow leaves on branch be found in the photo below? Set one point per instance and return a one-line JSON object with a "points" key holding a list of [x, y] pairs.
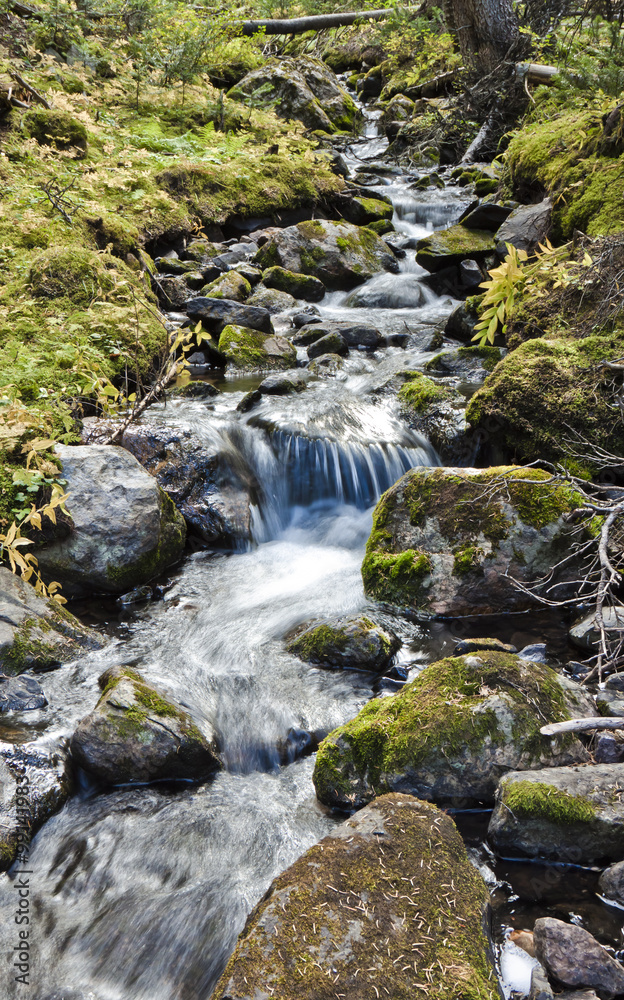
{"points": [[12, 542]]}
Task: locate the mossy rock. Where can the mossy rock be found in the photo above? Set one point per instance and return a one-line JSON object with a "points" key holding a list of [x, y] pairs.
{"points": [[438, 412], [508, 521], [272, 299], [55, 128], [251, 350], [136, 734], [362, 211], [300, 286], [230, 285], [346, 644], [448, 247], [451, 734], [75, 274], [563, 814], [344, 909]]}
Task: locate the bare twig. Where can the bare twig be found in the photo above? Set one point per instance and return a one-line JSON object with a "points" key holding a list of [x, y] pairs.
{"points": [[583, 725], [31, 90]]}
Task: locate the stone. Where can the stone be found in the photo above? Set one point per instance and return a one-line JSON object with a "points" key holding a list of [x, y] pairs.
{"points": [[231, 286], [202, 251], [470, 274], [250, 273], [585, 635], [282, 385], [610, 702], [447, 541], [34, 784], [331, 343], [251, 350], [341, 915], [36, 633], [611, 882], [452, 733], [437, 412], [388, 293], [303, 89], [608, 749], [461, 324], [327, 364], [573, 957], [535, 652], [173, 292], [480, 645], [216, 314], [363, 210], [173, 265], [339, 254], [272, 299], [304, 318], [21, 694], [525, 228], [125, 528], [355, 643], [300, 286], [447, 247], [485, 216], [570, 814], [471, 364], [135, 734]]}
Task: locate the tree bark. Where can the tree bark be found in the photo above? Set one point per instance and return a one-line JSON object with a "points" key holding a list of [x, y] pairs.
{"points": [[316, 22], [485, 30]]}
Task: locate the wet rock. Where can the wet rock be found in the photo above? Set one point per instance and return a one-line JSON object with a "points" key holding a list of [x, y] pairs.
{"points": [[21, 694], [447, 247], [584, 633], [282, 385], [36, 633], [482, 645], [446, 541], [472, 364], [231, 285], [608, 749], [125, 528], [202, 251], [470, 274], [331, 343], [565, 813], [196, 390], [251, 350], [387, 293], [540, 987], [304, 318], [363, 335], [535, 652], [611, 883], [210, 494], [438, 412], [300, 286], [339, 254], [346, 644], [361, 210], [298, 743], [487, 216], [34, 784], [304, 89], [359, 885], [610, 702], [135, 734], [327, 364], [216, 314], [452, 733], [173, 292], [272, 299], [573, 957], [250, 273], [173, 265], [525, 228]]}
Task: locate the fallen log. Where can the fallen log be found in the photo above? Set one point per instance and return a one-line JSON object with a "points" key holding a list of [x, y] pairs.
{"points": [[536, 73], [583, 725], [315, 22]]}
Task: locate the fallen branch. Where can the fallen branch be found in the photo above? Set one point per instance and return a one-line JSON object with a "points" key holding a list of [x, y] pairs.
{"points": [[583, 725], [536, 73], [151, 397], [31, 90], [315, 22]]}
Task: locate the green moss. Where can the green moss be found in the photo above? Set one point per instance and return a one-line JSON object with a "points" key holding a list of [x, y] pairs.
{"points": [[419, 392], [55, 128], [243, 347], [389, 576], [31, 648], [542, 801], [455, 244], [467, 560], [316, 644]]}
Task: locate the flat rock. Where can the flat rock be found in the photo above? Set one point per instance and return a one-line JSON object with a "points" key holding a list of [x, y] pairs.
{"points": [[355, 643], [573, 957], [447, 247], [218, 313]]}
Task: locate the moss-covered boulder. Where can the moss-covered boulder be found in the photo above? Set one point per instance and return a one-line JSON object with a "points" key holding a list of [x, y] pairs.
{"points": [[73, 273], [339, 254], [300, 286], [230, 285], [362, 210], [448, 247], [125, 529], [450, 541], [34, 784], [251, 350], [135, 734], [346, 644], [36, 633], [571, 814], [386, 902], [272, 299], [451, 734], [302, 88], [546, 385], [56, 128], [436, 411]]}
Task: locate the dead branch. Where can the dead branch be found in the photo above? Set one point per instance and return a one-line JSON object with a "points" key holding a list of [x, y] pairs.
{"points": [[583, 725], [155, 393], [56, 195], [31, 90], [315, 22]]}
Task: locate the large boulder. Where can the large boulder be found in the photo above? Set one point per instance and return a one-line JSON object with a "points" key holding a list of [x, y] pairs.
{"points": [[574, 959], [568, 814], [251, 350], [341, 919], [36, 633], [452, 733], [125, 530], [449, 541], [339, 254], [526, 227], [217, 313], [359, 335], [34, 784], [135, 734], [302, 88], [448, 247], [355, 643]]}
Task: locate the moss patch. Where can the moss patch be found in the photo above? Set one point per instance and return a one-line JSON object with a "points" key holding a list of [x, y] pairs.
{"points": [[537, 801], [419, 392]]}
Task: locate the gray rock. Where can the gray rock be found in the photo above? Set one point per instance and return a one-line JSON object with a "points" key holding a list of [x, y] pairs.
{"points": [[125, 530], [470, 274], [173, 292], [472, 364], [526, 227], [540, 987], [355, 643], [36, 633], [611, 882], [283, 384], [573, 957], [461, 324], [437, 412], [610, 702], [363, 335], [608, 749], [388, 293], [536, 652], [272, 299], [488, 215], [34, 784], [356, 930], [326, 365], [21, 694], [135, 734], [615, 682], [251, 274], [300, 286], [565, 813], [219, 313], [304, 318], [331, 343], [584, 633]]}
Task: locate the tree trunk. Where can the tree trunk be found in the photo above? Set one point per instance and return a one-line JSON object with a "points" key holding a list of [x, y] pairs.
{"points": [[485, 30], [314, 22]]}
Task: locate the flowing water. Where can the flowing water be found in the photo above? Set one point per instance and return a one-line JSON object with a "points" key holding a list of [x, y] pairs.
{"points": [[139, 894]]}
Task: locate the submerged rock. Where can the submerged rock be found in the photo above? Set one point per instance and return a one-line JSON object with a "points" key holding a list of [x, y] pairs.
{"points": [[452, 733], [125, 530], [337, 253], [448, 541], [34, 784], [36, 633], [564, 813], [353, 915], [346, 644], [573, 957], [251, 350], [135, 734]]}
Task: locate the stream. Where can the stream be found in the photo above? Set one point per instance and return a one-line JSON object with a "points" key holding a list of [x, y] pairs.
{"points": [[140, 894]]}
